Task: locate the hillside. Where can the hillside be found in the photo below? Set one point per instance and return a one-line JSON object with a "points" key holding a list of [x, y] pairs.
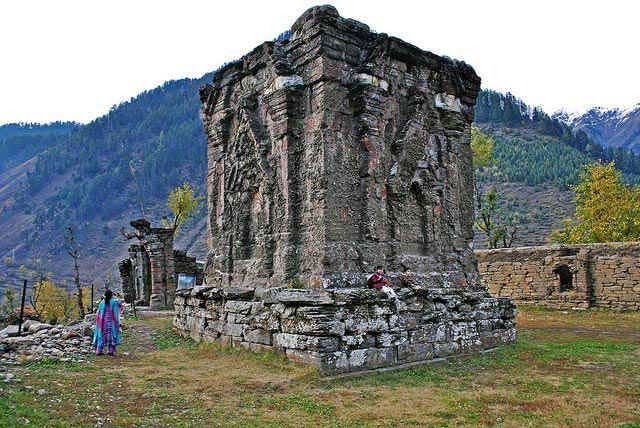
{"points": [[609, 127], [538, 158], [84, 180], [21, 141]]}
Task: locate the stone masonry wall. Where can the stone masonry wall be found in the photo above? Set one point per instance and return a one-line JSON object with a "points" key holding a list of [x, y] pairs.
{"points": [[567, 276], [348, 330], [334, 151]]}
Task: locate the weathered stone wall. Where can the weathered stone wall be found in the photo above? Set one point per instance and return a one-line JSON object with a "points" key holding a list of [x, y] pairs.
{"points": [[348, 330], [188, 265], [567, 276], [335, 151]]}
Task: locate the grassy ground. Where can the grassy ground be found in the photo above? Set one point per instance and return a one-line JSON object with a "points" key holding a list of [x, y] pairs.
{"points": [[568, 369]]}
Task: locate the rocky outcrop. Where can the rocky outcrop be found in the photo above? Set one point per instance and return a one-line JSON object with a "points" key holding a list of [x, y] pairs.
{"points": [[334, 151], [348, 330]]}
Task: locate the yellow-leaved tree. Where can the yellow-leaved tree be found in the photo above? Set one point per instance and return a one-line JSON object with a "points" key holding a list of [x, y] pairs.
{"points": [[49, 302], [183, 203], [54, 304], [607, 210], [499, 226]]}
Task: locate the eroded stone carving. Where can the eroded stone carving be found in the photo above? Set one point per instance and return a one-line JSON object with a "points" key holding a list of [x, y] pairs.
{"points": [[337, 150]]}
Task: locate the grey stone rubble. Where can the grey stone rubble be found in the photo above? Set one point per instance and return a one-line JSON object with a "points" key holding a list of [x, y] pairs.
{"points": [[41, 340], [348, 330]]}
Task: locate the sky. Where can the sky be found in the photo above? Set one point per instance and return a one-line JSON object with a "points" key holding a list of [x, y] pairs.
{"points": [[73, 60]]}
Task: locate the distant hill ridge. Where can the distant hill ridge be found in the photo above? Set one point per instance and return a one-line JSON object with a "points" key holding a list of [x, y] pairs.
{"points": [[616, 127], [494, 109]]}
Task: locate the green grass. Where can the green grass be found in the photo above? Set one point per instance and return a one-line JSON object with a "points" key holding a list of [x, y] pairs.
{"points": [[563, 371], [166, 338]]}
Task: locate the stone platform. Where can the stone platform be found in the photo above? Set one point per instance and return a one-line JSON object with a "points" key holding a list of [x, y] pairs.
{"points": [[348, 330]]}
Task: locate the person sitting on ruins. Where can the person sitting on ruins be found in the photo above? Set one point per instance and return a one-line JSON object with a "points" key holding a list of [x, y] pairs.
{"points": [[406, 281], [107, 331], [379, 281]]}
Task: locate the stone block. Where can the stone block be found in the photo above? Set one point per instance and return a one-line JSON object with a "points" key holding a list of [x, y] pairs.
{"points": [[411, 352], [384, 340], [445, 349], [360, 324], [232, 329], [239, 307], [315, 326], [237, 293], [430, 333], [266, 320], [326, 362], [356, 296], [258, 336], [297, 296], [359, 341], [299, 341]]}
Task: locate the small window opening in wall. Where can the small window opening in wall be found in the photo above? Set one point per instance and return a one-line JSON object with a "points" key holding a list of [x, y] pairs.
{"points": [[565, 277]]}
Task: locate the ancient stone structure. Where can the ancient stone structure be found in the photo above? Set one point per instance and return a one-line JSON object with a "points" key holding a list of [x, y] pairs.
{"points": [[337, 150], [351, 329], [329, 153], [149, 275], [187, 265], [566, 276]]}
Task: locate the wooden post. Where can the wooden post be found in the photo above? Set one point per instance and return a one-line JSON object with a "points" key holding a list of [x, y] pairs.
{"points": [[24, 293]]}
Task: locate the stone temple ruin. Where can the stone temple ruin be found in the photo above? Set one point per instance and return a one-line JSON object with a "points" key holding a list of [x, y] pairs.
{"points": [[149, 275], [578, 276], [331, 152]]}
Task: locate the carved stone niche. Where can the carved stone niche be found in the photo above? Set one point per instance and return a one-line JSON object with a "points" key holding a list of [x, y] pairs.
{"points": [[337, 150]]}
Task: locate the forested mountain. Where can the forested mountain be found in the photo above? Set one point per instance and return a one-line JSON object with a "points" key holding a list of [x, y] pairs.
{"points": [[92, 176], [538, 158], [86, 180], [609, 127], [21, 141], [533, 147]]}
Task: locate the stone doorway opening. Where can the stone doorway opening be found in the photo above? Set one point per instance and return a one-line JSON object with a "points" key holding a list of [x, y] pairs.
{"points": [[565, 277]]}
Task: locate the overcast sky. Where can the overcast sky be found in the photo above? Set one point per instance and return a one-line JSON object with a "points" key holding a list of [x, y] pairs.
{"points": [[73, 60]]}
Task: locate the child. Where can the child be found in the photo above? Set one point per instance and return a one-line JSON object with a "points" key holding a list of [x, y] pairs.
{"points": [[379, 281]]}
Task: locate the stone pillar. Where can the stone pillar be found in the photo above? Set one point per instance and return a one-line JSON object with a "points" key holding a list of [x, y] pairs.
{"points": [[126, 274], [159, 246], [583, 280], [141, 273]]}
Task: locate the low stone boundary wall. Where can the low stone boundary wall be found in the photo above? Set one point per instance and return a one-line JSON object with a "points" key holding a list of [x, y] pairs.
{"points": [[566, 276], [348, 330]]}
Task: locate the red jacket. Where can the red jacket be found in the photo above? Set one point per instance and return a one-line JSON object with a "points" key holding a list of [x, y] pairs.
{"points": [[377, 281]]}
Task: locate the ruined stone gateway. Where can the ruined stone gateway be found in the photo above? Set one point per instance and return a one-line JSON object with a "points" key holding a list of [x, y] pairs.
{"points": [[332, 151]]}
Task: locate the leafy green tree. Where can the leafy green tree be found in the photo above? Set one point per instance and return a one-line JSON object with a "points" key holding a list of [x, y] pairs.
{"points": [[183, 204], [606, 209]]}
